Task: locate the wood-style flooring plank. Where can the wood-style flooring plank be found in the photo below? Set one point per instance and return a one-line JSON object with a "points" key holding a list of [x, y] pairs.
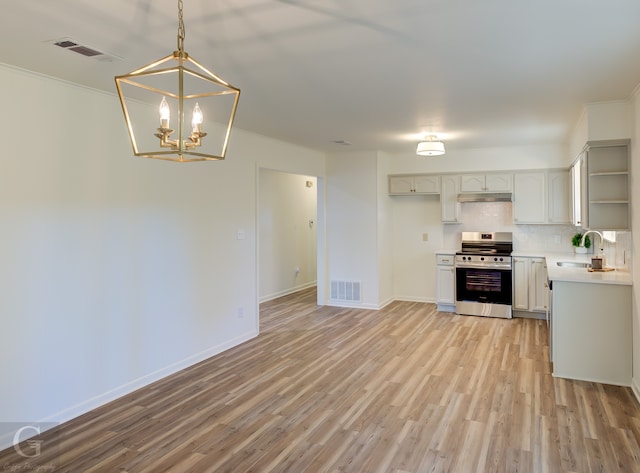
{"points": [[405, 389]]}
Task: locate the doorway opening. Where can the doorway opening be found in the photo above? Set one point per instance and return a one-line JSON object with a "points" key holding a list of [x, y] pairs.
{"points": [[290, 243]]}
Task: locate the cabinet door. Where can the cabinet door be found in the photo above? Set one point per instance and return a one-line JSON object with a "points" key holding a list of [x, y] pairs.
{"points": [[472, 183], [576, 207], [529, 197], [426, 184], [486, 183], [499, 183], [521, 283], [445, 285], [559, 207], [580, 207], [400, 185], [539, 297], [449, 205]]}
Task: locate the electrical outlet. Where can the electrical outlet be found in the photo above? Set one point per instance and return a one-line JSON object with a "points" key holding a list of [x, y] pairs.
{"points": [[425, 237], [240, 312]]}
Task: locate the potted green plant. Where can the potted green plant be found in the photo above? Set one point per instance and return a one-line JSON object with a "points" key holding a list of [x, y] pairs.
{"points": [[575, 241]]}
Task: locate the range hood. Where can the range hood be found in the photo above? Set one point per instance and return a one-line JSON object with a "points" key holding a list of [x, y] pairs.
{"points": [[486, 197]]}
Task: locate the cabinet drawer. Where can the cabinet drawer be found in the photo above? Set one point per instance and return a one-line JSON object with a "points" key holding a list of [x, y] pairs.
{"points": [[445, 260]]}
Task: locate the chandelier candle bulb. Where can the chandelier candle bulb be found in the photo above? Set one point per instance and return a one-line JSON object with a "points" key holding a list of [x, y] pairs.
{"points": [[165, 113], [198, 118]]}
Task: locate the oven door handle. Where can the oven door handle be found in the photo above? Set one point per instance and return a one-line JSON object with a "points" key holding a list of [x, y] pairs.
{"points": [[503, 267]]}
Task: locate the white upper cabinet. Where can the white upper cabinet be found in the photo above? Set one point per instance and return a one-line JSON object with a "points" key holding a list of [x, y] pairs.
{"points": [[449, 204], [539, 196], [530, 197], [542, 197], [494, 182], [579, 208], [601, 186], [414, 184], [559, 205], [608, 189]]}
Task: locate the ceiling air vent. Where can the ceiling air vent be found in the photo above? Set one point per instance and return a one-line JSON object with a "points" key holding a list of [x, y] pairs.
{"points": [[84, 50]]}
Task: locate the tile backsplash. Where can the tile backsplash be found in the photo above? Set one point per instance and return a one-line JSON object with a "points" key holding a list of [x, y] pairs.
{"points": [[498, 217]]}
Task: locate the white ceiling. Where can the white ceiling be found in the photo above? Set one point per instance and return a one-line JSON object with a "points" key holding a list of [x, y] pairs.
{"points": [[376, 73]]}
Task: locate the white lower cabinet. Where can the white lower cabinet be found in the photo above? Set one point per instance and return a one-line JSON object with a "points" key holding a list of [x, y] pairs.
{"points": [[530, 289], [592, 332], [445, 282]]}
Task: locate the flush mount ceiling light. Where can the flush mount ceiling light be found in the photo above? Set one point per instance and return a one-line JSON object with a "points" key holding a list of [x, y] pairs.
{"points": [[431, 147], [164, 83]]}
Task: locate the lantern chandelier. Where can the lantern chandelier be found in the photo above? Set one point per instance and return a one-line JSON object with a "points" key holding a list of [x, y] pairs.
{"points": [[163, 83]]}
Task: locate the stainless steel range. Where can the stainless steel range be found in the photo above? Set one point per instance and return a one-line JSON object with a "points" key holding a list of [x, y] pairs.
{"points": [[483, 274]]}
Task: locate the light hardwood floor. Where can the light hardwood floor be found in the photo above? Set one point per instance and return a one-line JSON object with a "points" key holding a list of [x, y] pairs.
{"points": [[405, 389]]}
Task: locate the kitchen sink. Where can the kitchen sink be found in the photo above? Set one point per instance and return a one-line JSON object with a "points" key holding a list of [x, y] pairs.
{"points": [[573, 264]]}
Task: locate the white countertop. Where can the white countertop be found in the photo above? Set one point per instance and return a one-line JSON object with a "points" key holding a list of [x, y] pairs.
{"points": [[568, 274]]}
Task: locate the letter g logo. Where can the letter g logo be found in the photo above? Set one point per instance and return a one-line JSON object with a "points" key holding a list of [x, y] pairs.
{"points": [[33, 444]]}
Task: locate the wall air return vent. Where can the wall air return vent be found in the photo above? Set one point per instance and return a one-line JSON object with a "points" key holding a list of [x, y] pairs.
{"points": [[84, 50], [345, 291]]}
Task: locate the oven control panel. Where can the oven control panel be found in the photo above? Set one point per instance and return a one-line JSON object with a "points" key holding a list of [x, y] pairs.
{"points": [[483, 260]]}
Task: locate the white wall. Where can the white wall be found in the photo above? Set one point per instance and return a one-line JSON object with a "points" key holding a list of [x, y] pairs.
{"points": [[385, 233], [352, 223], [414, 262], [608, 120], [483, 159], [635, 234], [116, 270], [287, 239]]}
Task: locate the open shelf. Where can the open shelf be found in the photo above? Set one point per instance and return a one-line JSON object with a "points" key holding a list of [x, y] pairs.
{"points": [[608, 185]]}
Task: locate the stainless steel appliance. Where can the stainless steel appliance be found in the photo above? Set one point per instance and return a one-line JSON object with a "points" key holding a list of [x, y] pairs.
{"points": [[483, 274]]}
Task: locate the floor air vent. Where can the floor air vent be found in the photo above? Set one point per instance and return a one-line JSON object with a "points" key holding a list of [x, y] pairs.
{"points": [[345, 291]]}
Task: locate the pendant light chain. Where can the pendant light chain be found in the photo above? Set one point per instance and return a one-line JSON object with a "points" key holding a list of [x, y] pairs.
{"points": [[181, 31]]}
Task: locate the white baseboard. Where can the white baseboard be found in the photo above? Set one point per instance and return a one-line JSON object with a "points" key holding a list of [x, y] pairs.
{"points": [[385, 303], [353, 305], [415, 299], [286, 292], [85, 406], [446, 308], [636, 389], [522, 314]]}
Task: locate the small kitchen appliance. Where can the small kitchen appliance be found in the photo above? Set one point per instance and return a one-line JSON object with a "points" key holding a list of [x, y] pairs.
{"points": [[484, 274]]}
